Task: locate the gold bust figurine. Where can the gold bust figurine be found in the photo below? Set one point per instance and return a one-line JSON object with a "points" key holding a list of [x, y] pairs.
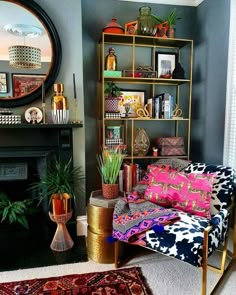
{"points": [[111, 60]]}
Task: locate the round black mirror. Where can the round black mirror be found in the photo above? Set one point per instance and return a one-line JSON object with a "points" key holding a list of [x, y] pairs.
{"points": [[53, 64]]}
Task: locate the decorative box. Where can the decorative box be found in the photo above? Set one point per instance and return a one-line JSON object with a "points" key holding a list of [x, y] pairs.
{"points": [[166, 150], [170, 141], [139, 74], [112, 73]]}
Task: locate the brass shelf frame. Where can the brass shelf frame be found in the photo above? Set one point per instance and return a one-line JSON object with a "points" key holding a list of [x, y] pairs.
{"points": [[129, 124]]}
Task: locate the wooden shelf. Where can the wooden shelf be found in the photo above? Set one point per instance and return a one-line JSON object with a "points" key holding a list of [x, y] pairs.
{"points": [[41, 126]]}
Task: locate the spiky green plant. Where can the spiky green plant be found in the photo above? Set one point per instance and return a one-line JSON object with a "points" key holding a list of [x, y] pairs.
{"points": [[15, 211], [171, 18], [109, 165], [60, 178]]}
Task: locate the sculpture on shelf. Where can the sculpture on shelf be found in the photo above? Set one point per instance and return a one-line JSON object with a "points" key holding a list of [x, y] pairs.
{"points": [[111, 60]]}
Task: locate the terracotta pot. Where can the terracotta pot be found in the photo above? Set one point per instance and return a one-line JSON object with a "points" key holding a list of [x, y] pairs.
{"points": [[61, 205], [110, 191]]}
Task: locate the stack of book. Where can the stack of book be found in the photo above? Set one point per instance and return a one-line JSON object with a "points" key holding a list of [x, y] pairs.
{"points": [[161, 106]]}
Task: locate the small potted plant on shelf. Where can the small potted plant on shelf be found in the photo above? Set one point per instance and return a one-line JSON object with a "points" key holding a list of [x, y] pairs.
{"points": [[109, 165], [59, 185], [171, 18], [112, 96]]}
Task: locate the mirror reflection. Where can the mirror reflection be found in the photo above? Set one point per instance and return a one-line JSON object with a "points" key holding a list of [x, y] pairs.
{"points": [[16, 31]]}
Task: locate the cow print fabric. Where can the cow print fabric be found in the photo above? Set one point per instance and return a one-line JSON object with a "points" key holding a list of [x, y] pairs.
{"points": [[184, 238], [222, 185]]}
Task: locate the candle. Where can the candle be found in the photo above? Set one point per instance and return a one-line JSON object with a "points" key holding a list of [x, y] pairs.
{"points": [[75, 95], [43, 92]]}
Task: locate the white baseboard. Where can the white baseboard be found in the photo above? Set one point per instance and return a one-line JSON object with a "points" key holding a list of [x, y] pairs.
{"points": [[81, 225]]}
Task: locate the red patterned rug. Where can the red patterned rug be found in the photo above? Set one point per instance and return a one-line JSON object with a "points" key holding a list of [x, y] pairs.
{"points": [[125, 281]]}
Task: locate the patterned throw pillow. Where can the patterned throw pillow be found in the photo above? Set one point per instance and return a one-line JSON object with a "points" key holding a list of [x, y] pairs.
{"points": [[187, 192], [222, 184], [175, 163]]}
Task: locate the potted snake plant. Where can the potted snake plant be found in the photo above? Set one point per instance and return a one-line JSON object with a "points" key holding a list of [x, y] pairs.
{"points": [[109, 165]]}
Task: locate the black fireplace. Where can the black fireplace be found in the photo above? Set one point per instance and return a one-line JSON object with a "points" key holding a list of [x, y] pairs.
{"points": [[26, 152]]}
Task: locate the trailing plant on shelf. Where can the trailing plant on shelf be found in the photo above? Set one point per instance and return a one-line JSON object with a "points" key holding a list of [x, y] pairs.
{"points": [[59, 185], [109, 165], [15, 212]]}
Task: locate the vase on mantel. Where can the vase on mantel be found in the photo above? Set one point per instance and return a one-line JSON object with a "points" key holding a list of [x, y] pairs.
{"points": [[59, 105]]}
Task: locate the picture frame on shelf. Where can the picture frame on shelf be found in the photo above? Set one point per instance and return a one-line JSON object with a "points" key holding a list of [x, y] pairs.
{"points": [[131, 28], [3, 83], [134, 99], [165, 64], [23, 84]]}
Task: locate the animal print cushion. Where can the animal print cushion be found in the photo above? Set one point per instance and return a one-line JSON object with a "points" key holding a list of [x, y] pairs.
{"points": [[175, 163], [187, 192], [184, 238], [222, 184]]}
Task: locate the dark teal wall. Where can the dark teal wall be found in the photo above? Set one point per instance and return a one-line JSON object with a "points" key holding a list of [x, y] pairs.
{"points": [[209, 80], [95, 16]]}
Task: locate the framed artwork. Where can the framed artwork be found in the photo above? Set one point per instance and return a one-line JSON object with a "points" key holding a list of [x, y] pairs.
{"points": [[3, 83], [165, 64], [25, 83], [131, 101], [131, 28]]}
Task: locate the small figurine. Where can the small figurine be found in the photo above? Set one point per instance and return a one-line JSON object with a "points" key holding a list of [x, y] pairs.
{"points": [[178, 72], [155, 151], [111, 60]]}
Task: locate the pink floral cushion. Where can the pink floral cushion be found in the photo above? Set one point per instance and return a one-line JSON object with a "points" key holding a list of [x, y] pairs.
{"points": [[187, 192]]}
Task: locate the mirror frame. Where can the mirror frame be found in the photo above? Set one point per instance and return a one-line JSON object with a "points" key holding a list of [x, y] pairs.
{"points": [[42, 16]]}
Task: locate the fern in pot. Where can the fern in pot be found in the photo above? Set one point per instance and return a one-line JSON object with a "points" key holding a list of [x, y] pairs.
{"points": [[109, 165]]}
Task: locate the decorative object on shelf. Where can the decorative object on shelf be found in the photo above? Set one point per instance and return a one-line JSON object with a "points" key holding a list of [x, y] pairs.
{"points": [[162, 30], [25, 83], [6, 112], [33, 115], [58, 185], [131, 28], [165, 64], [135, 98], [112, 97], [178, 72], [177, 112], [111, 60], [59, 104], [113, 135], [62, 240], [155, 151], [113, 27], [143, 112], [141, 142], [127, 109], [22, 56], [171, 146], [146, 22], [10, 119], [140, 72], [109, 165], [3, 83]]}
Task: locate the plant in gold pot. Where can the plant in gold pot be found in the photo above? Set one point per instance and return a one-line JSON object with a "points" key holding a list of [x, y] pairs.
{"points": [[59, 185], [109, 165]]}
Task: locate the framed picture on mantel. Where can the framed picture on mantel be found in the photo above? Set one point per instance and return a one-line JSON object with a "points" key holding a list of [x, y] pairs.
{"points": [[25, 83]]}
